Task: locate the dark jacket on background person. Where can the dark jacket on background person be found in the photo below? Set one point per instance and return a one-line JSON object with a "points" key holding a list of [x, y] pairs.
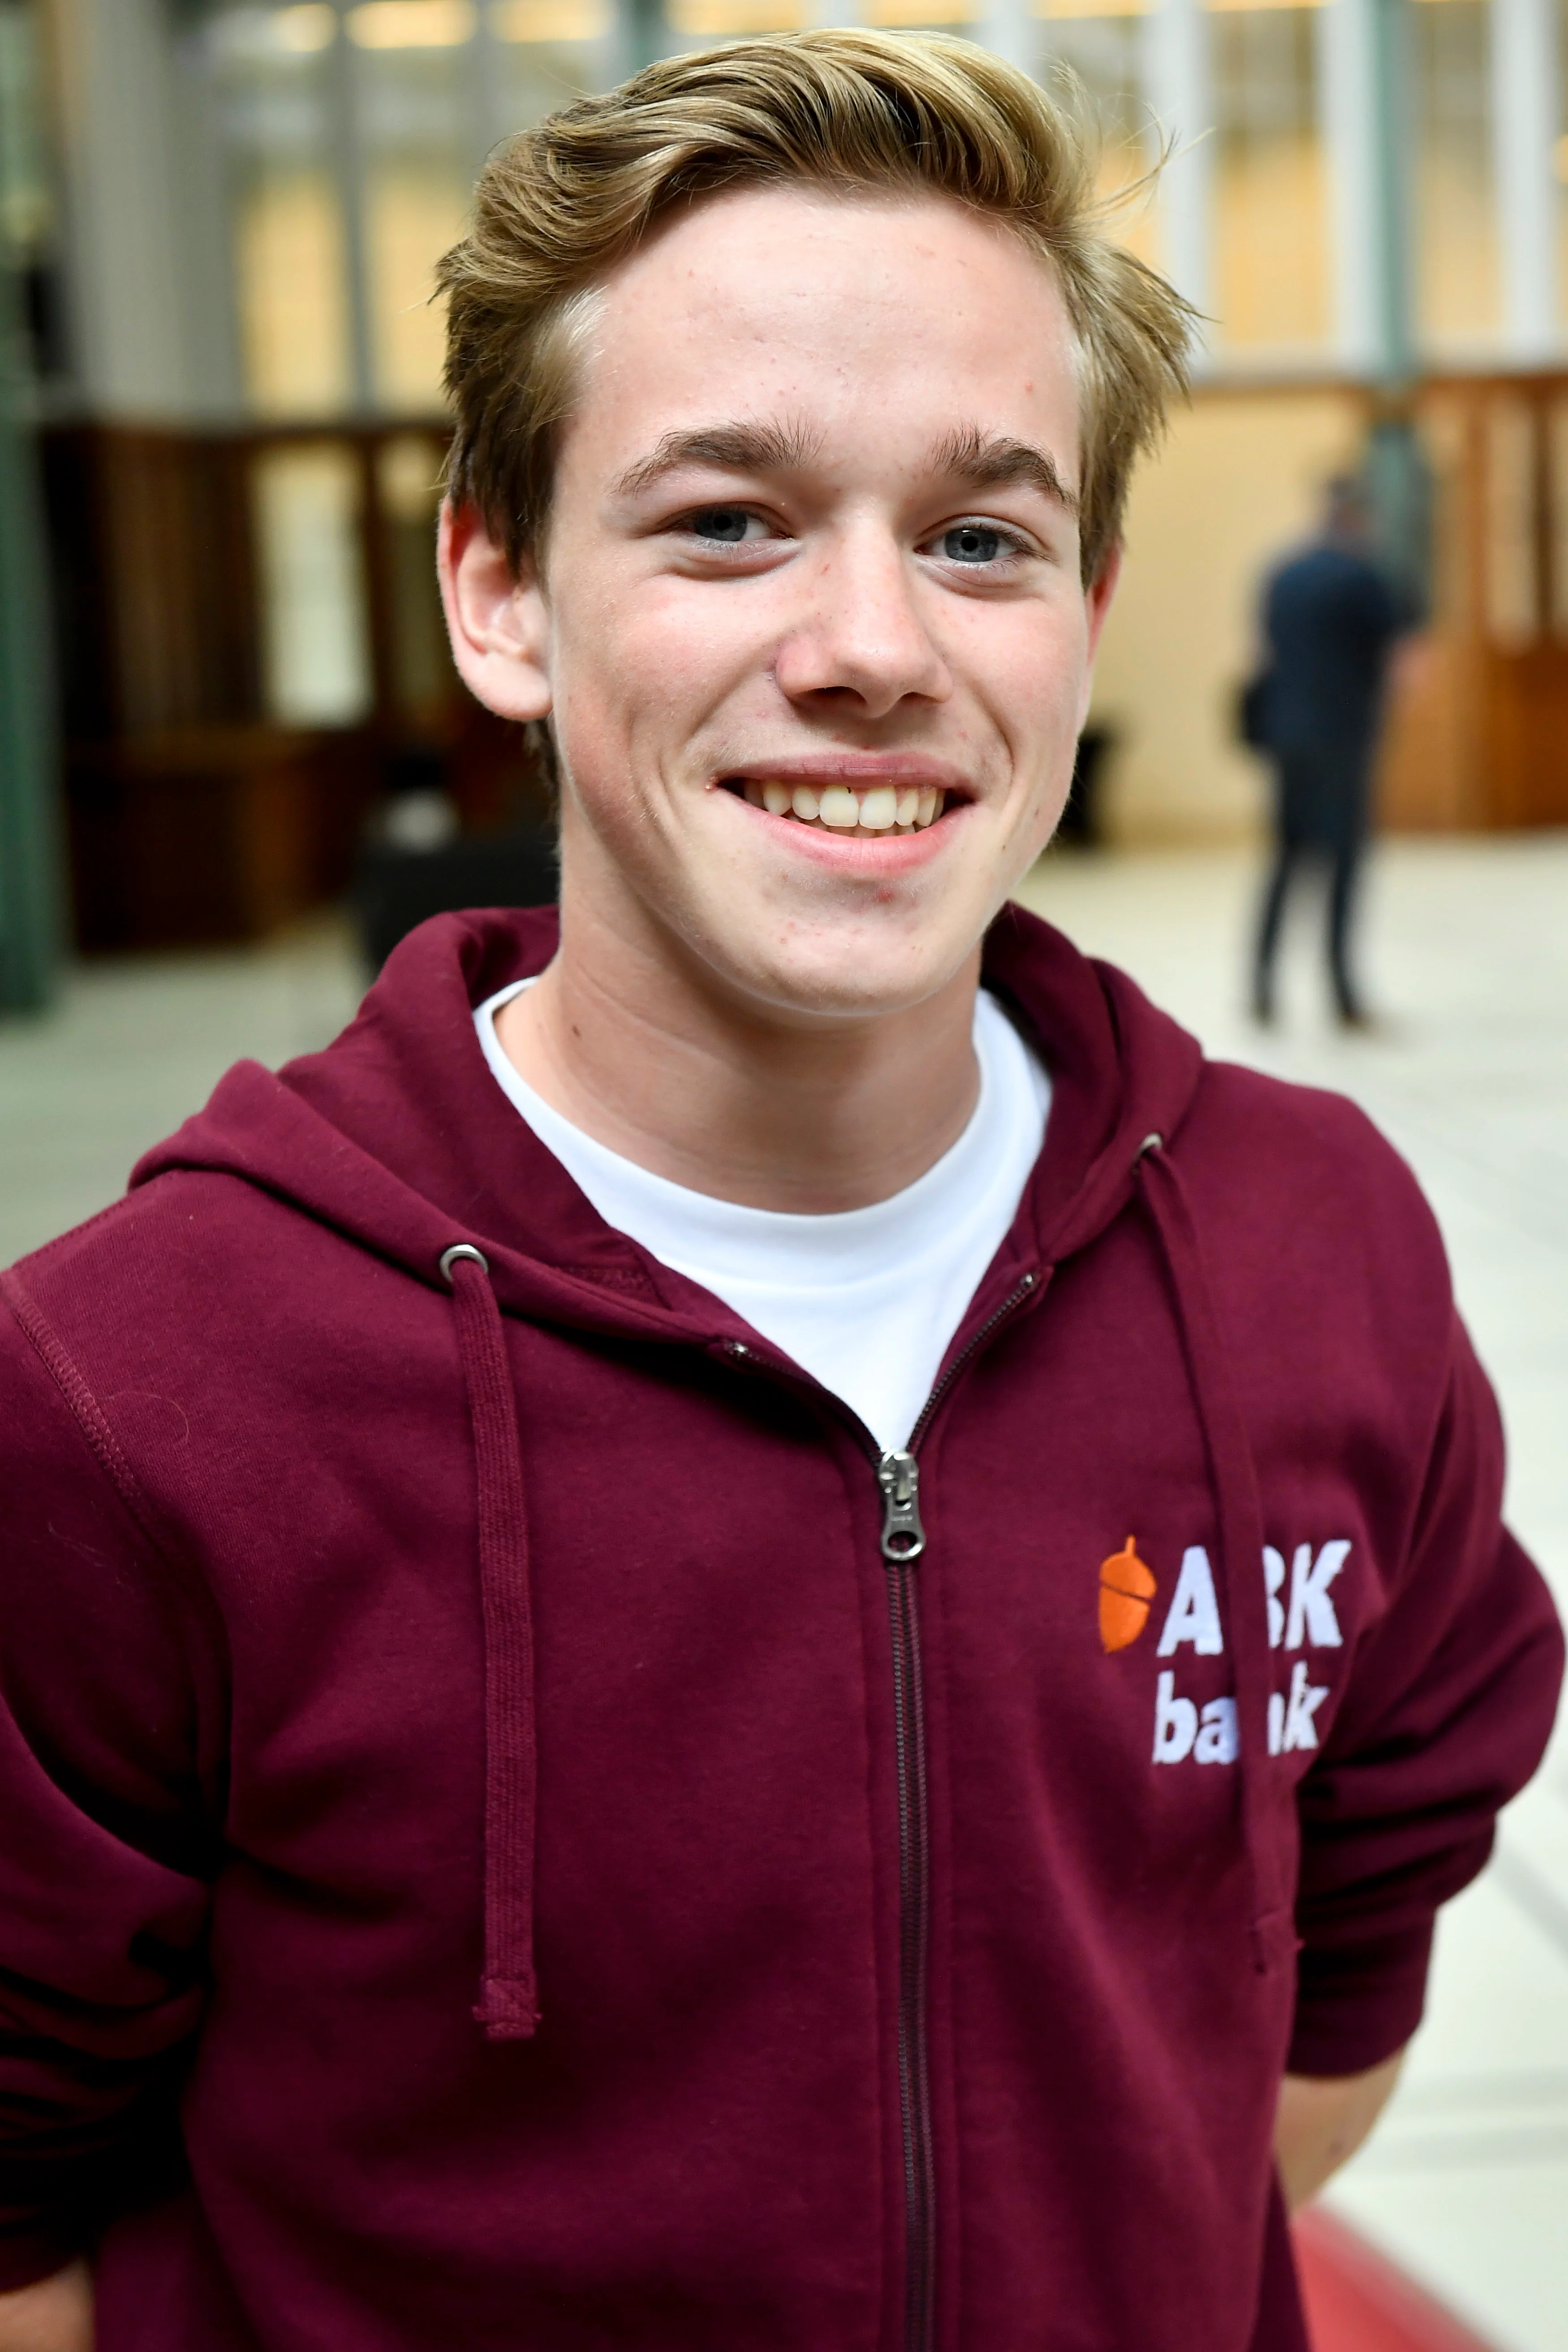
{"points": [[1329, 620], [473, 1748]]}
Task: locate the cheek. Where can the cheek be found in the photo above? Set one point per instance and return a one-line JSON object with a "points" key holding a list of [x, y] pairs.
{"points": [[654, 667], [1028, 667]]}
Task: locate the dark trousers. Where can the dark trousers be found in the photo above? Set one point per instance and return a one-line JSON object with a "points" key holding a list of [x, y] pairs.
{"points": [[1319, 819]]}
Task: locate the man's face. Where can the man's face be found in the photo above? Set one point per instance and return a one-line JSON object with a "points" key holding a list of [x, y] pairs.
{"points": [[812, 574]]}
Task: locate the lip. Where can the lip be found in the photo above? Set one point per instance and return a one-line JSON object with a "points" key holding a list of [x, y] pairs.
{"points": [[868, 857], [909, 769]]}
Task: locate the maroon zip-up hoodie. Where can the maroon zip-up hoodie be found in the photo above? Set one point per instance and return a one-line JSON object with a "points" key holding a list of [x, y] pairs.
{"points": [[506, 1843]]}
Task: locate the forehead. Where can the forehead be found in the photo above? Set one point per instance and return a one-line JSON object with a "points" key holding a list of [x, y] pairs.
{"points": [[879, 323]]}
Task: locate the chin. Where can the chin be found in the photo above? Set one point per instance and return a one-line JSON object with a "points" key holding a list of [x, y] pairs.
{"points": [[841, 982]]}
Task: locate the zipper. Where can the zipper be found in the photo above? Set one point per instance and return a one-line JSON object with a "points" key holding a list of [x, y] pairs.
{"points": [[904, 1541]]}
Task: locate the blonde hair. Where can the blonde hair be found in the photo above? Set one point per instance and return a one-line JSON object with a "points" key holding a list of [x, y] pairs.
{"points": [[849, 111]]}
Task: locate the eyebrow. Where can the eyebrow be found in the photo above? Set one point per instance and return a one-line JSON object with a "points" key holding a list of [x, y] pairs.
{"points": [[739, 448], [990, 461], [981, 461]]}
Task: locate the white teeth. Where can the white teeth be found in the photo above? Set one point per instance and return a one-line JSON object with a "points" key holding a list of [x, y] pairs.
{"points": [[840, 808], [874, 809]]}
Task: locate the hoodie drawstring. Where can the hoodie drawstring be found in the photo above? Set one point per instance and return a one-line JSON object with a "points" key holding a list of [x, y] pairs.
{"points": [[1240, 1515], [508, 2006]]}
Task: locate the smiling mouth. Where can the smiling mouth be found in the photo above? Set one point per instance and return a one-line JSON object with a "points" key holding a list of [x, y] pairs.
{"points": [[870, 811]]}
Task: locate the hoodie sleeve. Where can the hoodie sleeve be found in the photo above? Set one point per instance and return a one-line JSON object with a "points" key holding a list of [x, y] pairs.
{"points": [[1446, 1715], [110, 1740]]}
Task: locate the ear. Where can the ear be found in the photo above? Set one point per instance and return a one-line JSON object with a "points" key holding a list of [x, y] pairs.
{"points": [[1096, 599], [496, 619]]}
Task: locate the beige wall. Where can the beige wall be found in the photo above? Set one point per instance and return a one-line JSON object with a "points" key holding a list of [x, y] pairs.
{"points": [[1234, 484]]}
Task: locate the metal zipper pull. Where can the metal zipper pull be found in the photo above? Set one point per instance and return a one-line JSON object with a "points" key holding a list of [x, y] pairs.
{"points": [[903, 1537]]}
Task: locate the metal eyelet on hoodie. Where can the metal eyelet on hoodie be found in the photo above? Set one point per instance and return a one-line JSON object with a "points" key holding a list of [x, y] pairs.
{"points": [[464, 1250]]}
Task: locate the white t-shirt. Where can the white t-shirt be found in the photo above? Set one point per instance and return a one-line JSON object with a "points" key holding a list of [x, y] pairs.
{"points": [[866, 1300]]}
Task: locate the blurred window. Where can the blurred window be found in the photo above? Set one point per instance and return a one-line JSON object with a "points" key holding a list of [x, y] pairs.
{"points": [[1454, 220], [1557, 510], [353, 133], [316, 664], [414, 106], [1102, 45], [407, 495], [722, 20], [273, 72], [546, 53], [922, 15], [1512, 599], [1560, 162], [1270, 205], [29, 213]]}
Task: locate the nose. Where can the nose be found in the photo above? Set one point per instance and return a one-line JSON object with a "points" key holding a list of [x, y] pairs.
{"points": [[861, 641]]}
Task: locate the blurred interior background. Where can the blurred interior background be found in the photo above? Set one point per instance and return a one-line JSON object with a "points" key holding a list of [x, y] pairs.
{"points": [[225, 690], [223, 423]]}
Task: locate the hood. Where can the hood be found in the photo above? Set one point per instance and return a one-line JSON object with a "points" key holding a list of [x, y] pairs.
{"points": [[397, 1136]]}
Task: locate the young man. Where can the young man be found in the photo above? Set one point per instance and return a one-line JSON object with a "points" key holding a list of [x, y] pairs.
{"points": [[724, 1637]]}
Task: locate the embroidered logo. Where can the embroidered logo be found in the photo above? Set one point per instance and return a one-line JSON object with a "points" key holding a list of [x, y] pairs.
{"points": [[1126, 1589], [1301, 1615]]}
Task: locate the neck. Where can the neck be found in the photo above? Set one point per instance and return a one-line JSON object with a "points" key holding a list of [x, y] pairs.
{"points": [[625, 1035]]}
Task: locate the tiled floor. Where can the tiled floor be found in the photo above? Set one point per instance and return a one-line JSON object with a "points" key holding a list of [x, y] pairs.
{"points": [[136, 1047], [1467, 2183]]}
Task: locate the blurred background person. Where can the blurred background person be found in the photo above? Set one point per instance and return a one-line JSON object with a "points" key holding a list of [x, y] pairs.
{"points": [[1330, 622]]}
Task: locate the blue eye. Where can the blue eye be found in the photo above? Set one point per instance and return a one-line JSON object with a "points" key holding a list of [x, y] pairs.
{"points": [[971, 542], [726, 523]]}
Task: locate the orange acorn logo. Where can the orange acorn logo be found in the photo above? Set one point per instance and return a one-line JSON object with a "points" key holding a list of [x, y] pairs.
{"points": [[1126, 1589]]}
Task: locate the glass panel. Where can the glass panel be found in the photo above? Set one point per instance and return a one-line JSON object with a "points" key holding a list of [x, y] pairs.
{"points": [[1271, 253], [1104, 48], [549, 51], [415, 102], [411, 23], [566, 21], [407, 488], [29, 213], [272, 71], [546, 54], [1560, 160], [315, 638], [1454, 209], [26, 200], [1512, 614], [922, 15], [1447, 428], [1558, 516], [721, 20], [293, 320]]}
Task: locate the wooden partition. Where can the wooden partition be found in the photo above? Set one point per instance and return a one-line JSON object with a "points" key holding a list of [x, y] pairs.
{"points": [[1479, 735], [243, 672]]}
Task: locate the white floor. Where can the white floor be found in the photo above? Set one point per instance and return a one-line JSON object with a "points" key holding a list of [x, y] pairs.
{"points": [[1466, 951]]}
